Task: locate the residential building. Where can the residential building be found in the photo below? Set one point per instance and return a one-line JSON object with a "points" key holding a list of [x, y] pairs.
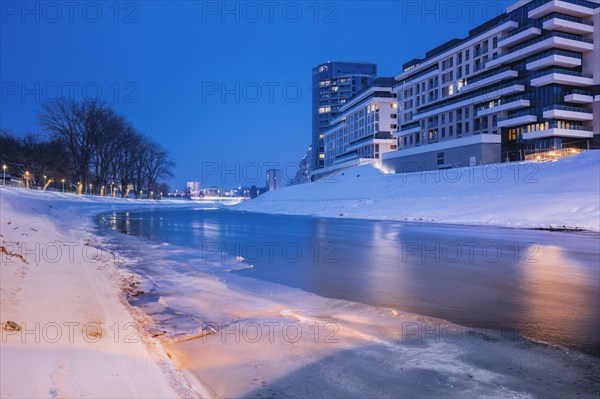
{"points": [[274, 179], [193, 188], [362, 129], [523, 84], [333, 84]]}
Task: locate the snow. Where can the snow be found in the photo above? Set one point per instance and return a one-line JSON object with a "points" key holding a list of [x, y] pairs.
{"points": [[559, 194], [78, 337], [376, 352]]}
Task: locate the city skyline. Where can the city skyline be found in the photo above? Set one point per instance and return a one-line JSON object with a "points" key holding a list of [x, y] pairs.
{"points": [[171, 86]]}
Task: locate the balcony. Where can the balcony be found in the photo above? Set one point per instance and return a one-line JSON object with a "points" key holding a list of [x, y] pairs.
{"points": [[579, 97], [521, 118], [409, 129], [559, 40], [503, 106], [565, 23], [574, 8], [503, 74], [555, 58], [559, 129], [568, 113], [519, 36], [562, 77]]}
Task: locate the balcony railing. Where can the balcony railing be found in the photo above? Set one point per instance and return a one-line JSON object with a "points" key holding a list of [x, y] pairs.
{"points": [[518, 114], [554, 52], [548, 36], [581, 92], [566, 18], [562, 72], [567, 108], [521, 29], [488, 75], [502, 101]]}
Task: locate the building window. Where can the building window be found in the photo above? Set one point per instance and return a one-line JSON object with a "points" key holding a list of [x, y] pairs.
{"points": [[468, 55], [440, 158], [443, 132], [451, 131], [495, 42], [467, 69], [467, 112], [466, 127]]}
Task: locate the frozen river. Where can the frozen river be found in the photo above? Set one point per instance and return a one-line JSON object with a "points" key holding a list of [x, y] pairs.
{"points": [[539, 284]]}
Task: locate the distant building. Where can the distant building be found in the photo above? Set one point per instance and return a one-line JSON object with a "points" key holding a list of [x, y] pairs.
{"points": [[334, 83], [274, 179], [363, 129], [193, 188]]}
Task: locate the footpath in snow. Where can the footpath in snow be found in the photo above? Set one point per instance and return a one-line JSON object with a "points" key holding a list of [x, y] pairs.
{"points": [[557, 194]]}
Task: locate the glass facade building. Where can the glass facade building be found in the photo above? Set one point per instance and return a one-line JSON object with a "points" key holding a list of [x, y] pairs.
{"points": [[333, 84]]}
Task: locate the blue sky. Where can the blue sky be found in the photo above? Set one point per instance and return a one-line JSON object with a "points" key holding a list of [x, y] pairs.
{"points": [[165, 65]]}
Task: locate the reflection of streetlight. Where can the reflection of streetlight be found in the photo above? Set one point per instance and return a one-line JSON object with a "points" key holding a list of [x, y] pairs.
{"points": [[63, 182], [4, 174]]}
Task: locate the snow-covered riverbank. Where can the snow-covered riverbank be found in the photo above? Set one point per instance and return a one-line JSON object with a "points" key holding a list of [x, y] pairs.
{"points": [[79, 337], [67, 330], [558, 194]]}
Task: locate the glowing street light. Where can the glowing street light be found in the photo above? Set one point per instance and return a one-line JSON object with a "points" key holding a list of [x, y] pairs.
{"points": [[27, 179], [63, 183], [4, 174], [90, 189]]}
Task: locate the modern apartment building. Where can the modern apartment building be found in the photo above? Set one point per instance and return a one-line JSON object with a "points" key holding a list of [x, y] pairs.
{"points": [[363, 127], [523, 84], [333, 84]]}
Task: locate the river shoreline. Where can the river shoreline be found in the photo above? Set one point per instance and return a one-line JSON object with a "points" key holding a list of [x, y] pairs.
{"points": [[373, 354]]}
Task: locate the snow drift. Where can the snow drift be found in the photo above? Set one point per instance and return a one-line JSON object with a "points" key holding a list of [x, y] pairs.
{"points": [[559, 194]]}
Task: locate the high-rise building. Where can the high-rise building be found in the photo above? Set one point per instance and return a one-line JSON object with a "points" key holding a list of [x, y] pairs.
{"points": [[523, 85], [274, 179], [333, 84]]}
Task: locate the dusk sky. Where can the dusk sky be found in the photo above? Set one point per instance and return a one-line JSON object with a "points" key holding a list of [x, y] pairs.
{"points": [[164, 64]]}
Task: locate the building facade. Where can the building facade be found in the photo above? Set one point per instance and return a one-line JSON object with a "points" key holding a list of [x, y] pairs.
{"points": [[333, 84], [363, 127], [522, 85], [274, 179], [193, 188]]}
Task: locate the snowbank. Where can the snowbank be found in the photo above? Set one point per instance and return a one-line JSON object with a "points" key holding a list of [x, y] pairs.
{"points": [[562, 193], [66, 329]]}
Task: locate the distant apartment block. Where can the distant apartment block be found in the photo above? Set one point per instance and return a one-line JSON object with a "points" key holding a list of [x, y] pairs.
{"points": [[523, 84], [193, 188], [363, 127], [333, 84], [274, 181]]}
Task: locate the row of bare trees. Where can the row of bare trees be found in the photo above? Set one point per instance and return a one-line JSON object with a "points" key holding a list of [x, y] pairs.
{"points": [[103, 149]]}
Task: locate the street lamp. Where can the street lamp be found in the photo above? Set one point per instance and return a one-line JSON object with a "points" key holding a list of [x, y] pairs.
{"points": [[27, 179], [63, 183], [90, 189], [4, 174]]}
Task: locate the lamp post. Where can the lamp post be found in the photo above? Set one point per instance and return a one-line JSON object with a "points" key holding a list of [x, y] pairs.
{"points": [[63, 183], [4, 175], [90, 192], [27, 180]]}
